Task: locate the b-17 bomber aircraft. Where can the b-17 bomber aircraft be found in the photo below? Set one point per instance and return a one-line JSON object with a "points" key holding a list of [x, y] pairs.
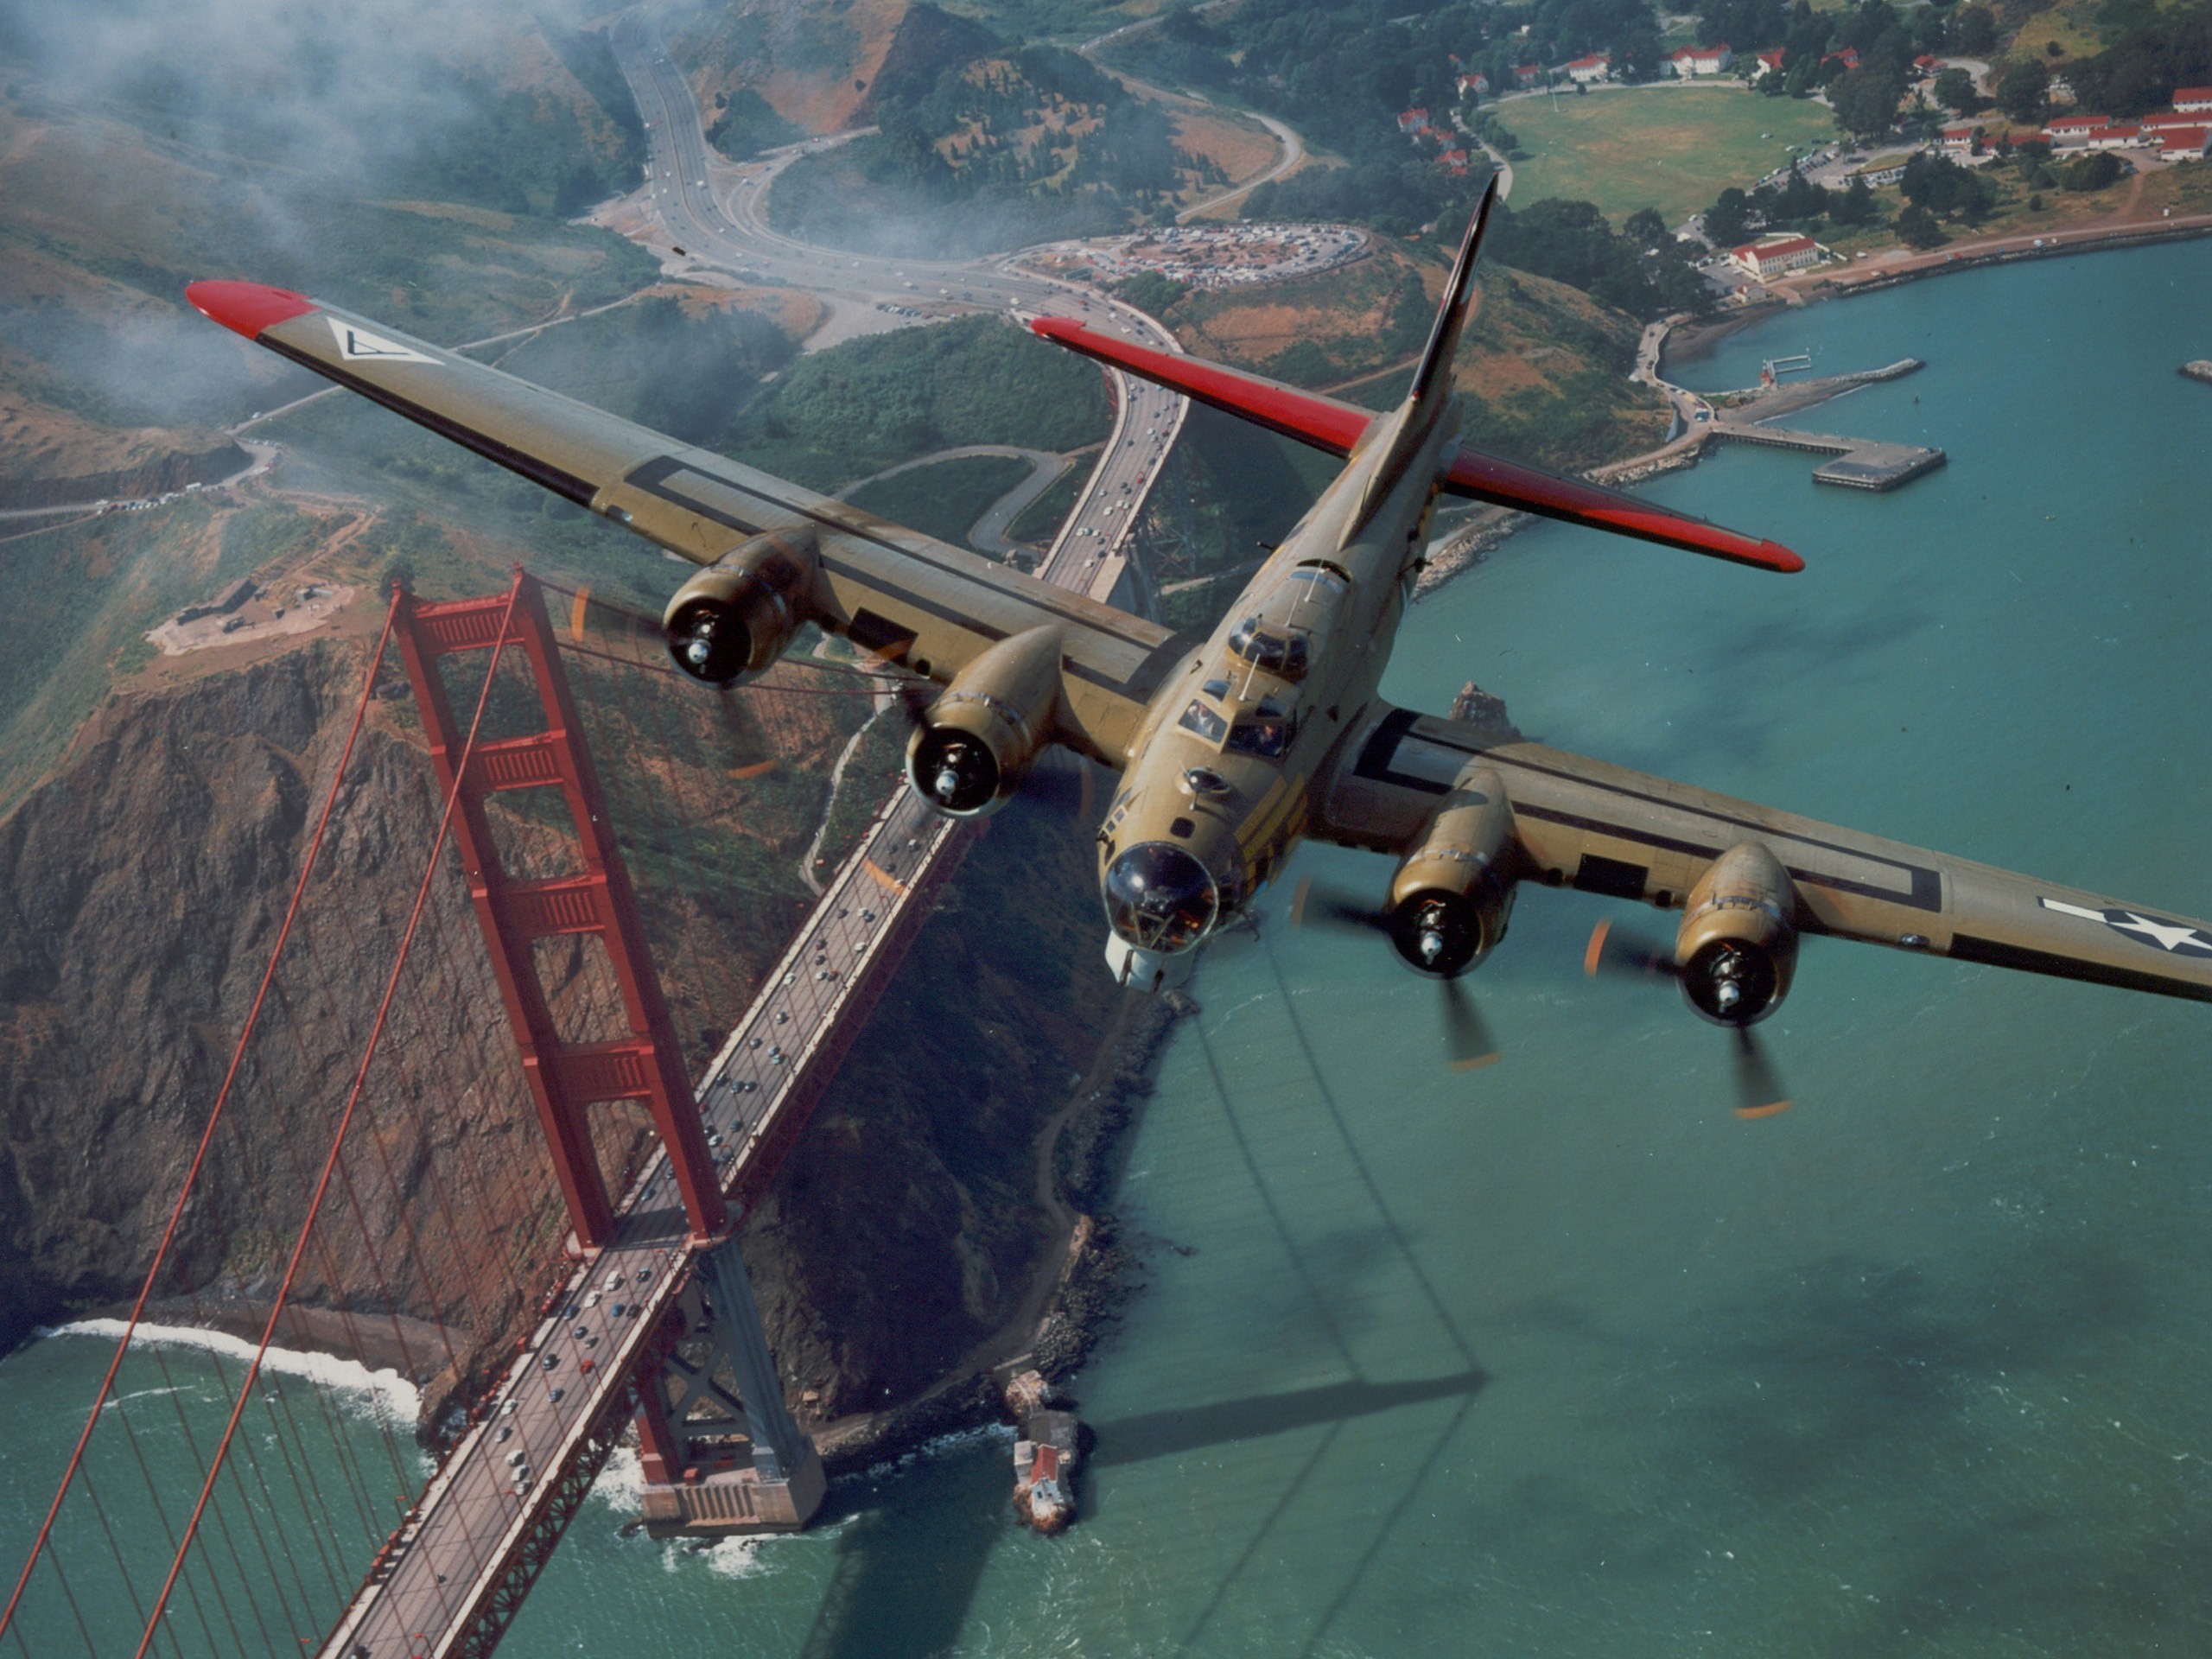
{"points": [[1235, 747]]}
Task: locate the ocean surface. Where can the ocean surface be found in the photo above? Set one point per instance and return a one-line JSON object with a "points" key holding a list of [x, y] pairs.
{"points": [[1559, 1356]]}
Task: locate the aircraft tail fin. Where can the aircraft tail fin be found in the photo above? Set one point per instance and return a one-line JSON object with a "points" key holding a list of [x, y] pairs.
{"points": [[1432, 379]]}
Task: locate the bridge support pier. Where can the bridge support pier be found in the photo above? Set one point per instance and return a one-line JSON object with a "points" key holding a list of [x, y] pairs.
{"points": [[723, 1455]]}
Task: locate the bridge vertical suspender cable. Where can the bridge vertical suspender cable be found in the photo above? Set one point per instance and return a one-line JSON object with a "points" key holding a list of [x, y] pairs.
{"points": [[208, 1134], [345, 1121]]}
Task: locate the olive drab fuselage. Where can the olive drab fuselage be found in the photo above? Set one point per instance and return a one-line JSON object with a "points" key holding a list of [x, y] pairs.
{"points": [[1220, 776]]}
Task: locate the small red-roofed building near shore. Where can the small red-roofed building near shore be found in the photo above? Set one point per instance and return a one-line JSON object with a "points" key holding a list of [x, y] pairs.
{"points": [[1596, 67], [2193, 100], [2185, 143], [1528, 75], [1771, 59], [2072, 129], [1926, 64], [1412, 120], [1776, 256], [2117, 136], [2163, 119], [1476, 85], [1958, 141]]}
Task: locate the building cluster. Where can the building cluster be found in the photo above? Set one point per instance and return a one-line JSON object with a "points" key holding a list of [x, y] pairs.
{"points": [[1447, 150], [2182, 133], [1686, 63]]}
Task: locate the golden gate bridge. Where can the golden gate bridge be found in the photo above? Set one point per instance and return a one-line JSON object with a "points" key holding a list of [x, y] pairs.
{"points": [[532, 1216]]}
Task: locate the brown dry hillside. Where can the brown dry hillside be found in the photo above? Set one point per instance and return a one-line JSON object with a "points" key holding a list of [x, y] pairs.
{"points": [[812, 61], [1547, 364]]}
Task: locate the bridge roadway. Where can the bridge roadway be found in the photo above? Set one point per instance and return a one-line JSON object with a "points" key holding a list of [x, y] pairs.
{"points": [[469, 1549], [714, 210]]}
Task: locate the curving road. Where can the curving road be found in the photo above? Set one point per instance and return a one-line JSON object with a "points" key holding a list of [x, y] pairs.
{"points": [[1294, 152], [693, 199]]}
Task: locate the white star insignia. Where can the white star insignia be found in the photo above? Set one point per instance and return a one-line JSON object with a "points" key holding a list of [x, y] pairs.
{"points": [[2169, 935]]}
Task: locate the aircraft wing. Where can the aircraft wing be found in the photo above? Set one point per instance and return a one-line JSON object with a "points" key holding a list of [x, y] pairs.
{"points": [[1338, 427], [896, 592], [1583, 824]]}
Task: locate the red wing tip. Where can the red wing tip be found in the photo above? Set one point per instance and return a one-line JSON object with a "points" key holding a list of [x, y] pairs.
{"points": [[1779, 558], [1053, 327], [247, 308]]}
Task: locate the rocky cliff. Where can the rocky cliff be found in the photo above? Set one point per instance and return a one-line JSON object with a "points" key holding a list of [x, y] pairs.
{"points": [[140, 890]]}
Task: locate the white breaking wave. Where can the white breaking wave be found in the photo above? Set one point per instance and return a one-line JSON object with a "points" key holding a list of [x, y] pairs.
{"points": [[385, 1391], [622, 1483]]}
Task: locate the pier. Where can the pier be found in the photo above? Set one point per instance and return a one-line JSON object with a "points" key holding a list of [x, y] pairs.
{"points": [[1862, 463]]}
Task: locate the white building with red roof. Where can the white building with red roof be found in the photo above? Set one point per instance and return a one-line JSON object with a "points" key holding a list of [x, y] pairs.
{"points": [[2196, 100], [2117, 136], [1776, 256], [2185, 143], [2072, 129], [1692, 61], [1596, 67], [1412, 120], [1476, 86]]}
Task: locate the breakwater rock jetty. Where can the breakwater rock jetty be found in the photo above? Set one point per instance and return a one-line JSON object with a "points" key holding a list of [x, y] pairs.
{"points": [[2201, 369]]}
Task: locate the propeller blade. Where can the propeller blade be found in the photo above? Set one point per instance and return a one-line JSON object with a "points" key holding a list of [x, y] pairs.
{"points": [[915, 698], [1466, 1032], [1330, 909], [1625, 955], [1759, 1091]]}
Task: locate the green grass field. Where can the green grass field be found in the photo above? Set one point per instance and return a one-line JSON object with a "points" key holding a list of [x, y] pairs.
{"points": [[943, 500], [1672, 148]]}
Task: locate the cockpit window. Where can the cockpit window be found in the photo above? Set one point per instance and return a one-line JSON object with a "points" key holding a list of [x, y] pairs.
{"points": [[1326, 579], [1204, 722], [1276, 649], [1264, 736]]}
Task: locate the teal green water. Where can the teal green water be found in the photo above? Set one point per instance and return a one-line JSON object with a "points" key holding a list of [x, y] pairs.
{"points": [[1559, 1357]]}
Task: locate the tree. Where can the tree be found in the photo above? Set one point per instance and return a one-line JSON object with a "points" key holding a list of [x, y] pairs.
{"points": [[1855, 206], [1954, 90], [1636, 55], [2091, 172], [1728, 219], [1645, 228], [1973, 31], [1919, 229], [1865, 99], [2023, 90]]}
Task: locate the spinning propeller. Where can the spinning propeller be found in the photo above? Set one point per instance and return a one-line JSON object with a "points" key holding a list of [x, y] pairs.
{"points": [[1466, 1035], [1759, 1091]]}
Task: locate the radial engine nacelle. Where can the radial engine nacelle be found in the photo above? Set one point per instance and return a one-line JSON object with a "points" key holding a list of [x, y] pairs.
{"points": [[972, 746], [733, 619], [1450, 898], [1738, 947]]}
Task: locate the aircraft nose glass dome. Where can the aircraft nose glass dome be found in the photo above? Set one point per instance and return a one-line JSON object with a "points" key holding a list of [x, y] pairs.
{"points": [[1160, 898]]}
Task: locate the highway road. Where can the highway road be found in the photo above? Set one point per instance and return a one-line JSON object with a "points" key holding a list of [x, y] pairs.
{"points": [[523, 1467], [713, 209]]}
